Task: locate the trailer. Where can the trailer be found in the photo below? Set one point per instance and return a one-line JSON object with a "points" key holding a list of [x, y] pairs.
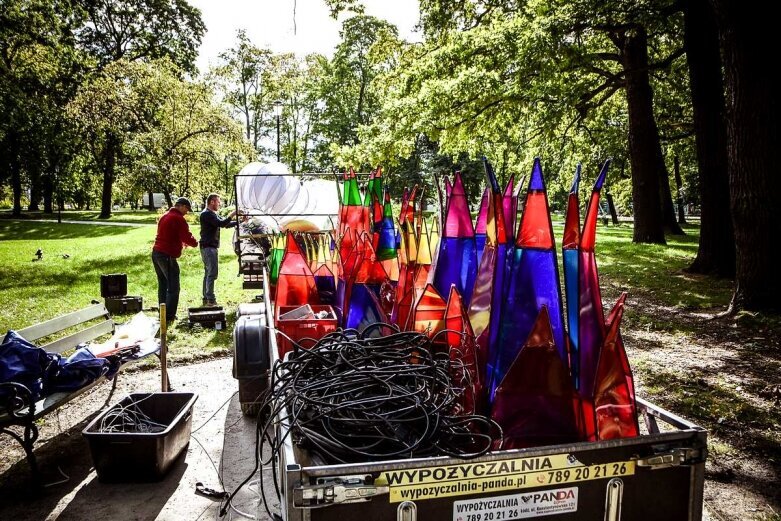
{"points": [[658, 475]]}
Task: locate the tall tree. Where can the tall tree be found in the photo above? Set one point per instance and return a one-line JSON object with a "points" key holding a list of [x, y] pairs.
{"points": [[533, 77], [716, 252], [244, 77], [644, 145], [142, 30], [38, 69], [298, 85], [752, 114], [349, 99], [134, 30]]}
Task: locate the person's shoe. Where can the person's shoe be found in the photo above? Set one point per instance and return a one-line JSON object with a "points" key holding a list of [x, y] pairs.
{"points": [[212, 303], [171, 319]]}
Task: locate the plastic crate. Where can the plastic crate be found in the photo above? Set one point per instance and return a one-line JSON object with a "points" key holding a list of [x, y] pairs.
{"points": [[140, 456], [298, 329]]}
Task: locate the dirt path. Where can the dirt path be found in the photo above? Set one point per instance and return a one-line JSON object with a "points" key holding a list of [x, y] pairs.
{"points": [[225, 441], [722, 374]]}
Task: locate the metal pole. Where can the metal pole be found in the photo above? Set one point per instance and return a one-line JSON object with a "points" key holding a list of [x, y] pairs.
{"points": [[278, 156]]}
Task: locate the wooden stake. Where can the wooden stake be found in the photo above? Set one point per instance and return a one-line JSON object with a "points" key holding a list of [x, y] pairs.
{"points": [[163, 350]]}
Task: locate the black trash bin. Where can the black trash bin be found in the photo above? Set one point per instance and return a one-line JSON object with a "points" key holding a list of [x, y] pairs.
{"points": [[141, 456]]}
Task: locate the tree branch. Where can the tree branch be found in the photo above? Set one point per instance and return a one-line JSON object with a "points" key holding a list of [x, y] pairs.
{"points": [[664, 64]]}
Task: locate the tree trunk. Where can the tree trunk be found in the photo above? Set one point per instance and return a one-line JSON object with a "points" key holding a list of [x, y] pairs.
{"points": [[16, 184], [34, 173], [49, 181], [294, 163], [716, 252], [644, 145], [612, 207], [678, 187], [168, 198], [665, 194], [109, 173], [752, 115]]}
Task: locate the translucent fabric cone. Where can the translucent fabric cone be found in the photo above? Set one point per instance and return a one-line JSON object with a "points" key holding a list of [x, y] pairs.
{"points": [[466, 371], [402, 288], [311, 256], [571, 272], [296, 283], [457, 259], [407, 216], [428, 314], [509, 205], [591, 317], [353, 216], [367, 198], [486, 306], [614, 389], [364, 291], [326, 285], [386, 243], [536, 403], [423, 260], [373, 187], [480, 225], [419, 213], [277, 252], [405, 291], [434, 240], [404, 312], [533, 281]]}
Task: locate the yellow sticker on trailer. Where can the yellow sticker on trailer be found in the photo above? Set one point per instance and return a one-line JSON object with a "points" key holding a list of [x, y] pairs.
{"points": [[495, 476]]}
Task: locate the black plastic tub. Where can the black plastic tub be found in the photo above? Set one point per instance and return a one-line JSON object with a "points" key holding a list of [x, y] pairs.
{"points": [[141, 456]]}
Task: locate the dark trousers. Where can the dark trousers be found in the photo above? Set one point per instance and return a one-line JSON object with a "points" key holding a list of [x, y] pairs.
{"points": [[167, 270], [210, 270]]}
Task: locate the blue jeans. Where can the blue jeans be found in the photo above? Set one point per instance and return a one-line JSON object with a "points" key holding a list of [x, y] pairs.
{"points": [[210, 266], [167, 270]]}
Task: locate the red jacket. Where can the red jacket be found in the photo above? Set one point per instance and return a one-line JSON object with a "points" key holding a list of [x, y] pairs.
{"points": [[172, 232]]}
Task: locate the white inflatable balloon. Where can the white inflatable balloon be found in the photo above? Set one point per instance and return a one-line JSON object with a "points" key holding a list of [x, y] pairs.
{"points": [[266, 190]]}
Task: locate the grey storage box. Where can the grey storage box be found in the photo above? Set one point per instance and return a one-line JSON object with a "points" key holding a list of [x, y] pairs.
{"points": [[142, 456]]}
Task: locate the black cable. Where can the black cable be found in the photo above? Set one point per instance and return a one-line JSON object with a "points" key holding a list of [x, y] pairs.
{"points": [[357, 397]]}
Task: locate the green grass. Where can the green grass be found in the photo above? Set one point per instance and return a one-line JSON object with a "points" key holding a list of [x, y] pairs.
{"points": [[123, 215], [654, 268], [35, 291]]}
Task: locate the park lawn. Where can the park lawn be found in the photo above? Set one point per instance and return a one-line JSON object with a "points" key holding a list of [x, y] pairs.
{"points": [[32, 291], [120, 216], [655, 269]]}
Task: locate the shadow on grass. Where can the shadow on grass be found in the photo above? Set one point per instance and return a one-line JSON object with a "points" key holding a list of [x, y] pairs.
{"points": [[721, 409], [37, 231], [125, 215], [728, 414], [74, 273]]}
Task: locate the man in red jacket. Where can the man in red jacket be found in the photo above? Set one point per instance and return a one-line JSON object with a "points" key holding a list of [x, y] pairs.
{"points": [[173, 234]]}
